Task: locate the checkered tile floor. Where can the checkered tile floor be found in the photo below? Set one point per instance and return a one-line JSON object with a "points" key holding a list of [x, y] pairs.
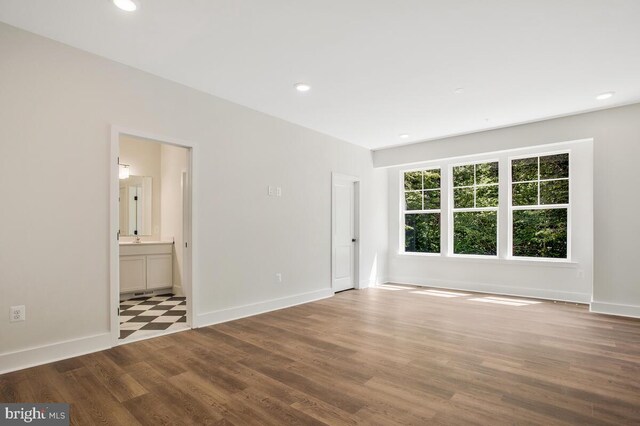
{"points": [[152, 314]]}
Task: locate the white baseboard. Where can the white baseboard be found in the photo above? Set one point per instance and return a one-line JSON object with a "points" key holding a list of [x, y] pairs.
{"points": [[31, 357], [615, 309], [496, 289], [25, 358], [224, 315]]}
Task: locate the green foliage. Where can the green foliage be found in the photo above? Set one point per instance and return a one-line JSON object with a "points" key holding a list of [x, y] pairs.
{"points": [[473, 175], [540, 233], [487, 173], [422, 179], [554, 191], [554, 166], [524, 169], [432, 199], [536, 233], [475, 233], [422, 190], [413, 181], [487, 196], [432, 179], [525, 194], [462, 198], [551, 191], [413, 200], [463, 175], [422, 233]]}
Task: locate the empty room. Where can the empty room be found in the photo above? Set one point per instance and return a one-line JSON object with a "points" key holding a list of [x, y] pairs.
{"points": [[269, 212]]}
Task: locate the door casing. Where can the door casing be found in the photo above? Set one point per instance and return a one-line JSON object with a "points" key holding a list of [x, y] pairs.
{"points": [[189, 278]]}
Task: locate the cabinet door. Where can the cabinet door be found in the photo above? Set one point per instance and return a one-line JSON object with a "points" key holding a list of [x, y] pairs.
{"points": [[159, 271], [133, 273]]}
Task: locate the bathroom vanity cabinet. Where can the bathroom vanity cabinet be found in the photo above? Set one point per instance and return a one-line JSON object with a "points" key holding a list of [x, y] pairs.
{"points": [[146, 266]]}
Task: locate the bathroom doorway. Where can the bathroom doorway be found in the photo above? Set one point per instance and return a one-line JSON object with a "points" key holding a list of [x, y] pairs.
{"points": [[151, 243]]}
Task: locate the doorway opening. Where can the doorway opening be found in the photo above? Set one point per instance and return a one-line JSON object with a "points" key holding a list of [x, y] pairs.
{"points": [[151, 224], [345, 232]]}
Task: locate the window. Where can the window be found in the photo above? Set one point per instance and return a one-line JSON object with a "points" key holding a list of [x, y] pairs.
{"points": [[540, 206], [517, 205], [475, 209], [422, 211]]}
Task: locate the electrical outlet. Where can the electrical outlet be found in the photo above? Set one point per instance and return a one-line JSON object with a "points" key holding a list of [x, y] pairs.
{"points": [[279, 277], [279, 191], [17, 313], [580, 273], [270, 191]]}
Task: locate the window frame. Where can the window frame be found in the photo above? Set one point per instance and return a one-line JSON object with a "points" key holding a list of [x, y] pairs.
{"points": [[512, 208], [580, 177], [452, 210], [403, 211]]}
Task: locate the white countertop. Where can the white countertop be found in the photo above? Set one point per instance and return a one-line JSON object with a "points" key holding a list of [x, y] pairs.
{"points": [[144, 243]]}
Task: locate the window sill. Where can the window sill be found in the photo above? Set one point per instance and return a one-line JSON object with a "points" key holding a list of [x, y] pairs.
{"points": [[496, 260]]}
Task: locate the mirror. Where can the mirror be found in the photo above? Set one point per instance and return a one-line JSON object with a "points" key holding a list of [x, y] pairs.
{"points": [[135, 206]]}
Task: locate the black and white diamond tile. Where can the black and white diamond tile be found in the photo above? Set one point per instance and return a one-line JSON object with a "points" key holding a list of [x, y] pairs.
{"points": [[152, 313]]}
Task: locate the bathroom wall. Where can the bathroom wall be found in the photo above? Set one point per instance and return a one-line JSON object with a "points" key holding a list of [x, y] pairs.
{"points": [[144, 159], [173, 164]]}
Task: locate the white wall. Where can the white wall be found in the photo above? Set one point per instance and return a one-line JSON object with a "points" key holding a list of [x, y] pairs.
{"points": [[58, 105], [144, 159], [174, 163], [570, 281], [616, 134], [377, 213]]}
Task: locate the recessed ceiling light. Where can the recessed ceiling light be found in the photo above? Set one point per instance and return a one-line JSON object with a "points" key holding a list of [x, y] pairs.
{"points": [[126, 5], [404, 136], [458, 90], [302, 87], [605, 95]]}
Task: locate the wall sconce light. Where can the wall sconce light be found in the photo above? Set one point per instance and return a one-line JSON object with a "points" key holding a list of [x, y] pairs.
{"points": [[123, 171]]}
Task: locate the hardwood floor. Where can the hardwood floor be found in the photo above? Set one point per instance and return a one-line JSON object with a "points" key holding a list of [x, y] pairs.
{"points": [[378, 356]]}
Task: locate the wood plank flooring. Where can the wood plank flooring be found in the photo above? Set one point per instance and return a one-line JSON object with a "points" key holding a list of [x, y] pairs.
{"points": [[389, 355]]}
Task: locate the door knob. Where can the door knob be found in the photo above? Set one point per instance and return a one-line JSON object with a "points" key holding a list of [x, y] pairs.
{"points": [[353, 240]]}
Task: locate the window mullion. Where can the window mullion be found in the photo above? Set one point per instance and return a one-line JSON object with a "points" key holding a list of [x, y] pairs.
{"points": [[538, 180]]}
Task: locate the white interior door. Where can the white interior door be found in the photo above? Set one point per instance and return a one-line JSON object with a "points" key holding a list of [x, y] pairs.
{"points": [[344, 235]]}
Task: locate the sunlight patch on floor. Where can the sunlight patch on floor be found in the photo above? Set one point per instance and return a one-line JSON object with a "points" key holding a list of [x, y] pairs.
{"points": [[392, 287], [440, 293], [506, 301]]}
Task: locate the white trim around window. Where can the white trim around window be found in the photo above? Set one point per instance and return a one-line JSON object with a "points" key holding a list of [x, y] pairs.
{"points": [[452, 210], [504, 210], [539, 206], [403, 211]]}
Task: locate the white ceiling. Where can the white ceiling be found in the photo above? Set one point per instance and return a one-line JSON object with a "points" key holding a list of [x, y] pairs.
{"points": [[378, 68]]}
